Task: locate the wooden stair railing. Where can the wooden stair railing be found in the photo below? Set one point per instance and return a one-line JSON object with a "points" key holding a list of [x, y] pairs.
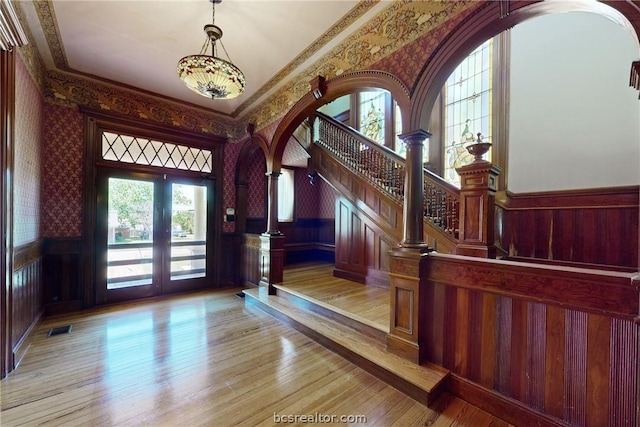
{"points": [[385, 170]]}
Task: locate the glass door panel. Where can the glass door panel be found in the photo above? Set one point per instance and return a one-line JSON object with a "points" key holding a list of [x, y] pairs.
{"points": [[152, 235], [130, 233], [188, 231]]}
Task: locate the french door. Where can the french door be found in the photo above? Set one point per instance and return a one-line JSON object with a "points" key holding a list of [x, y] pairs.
{"points": [[152, 235]]}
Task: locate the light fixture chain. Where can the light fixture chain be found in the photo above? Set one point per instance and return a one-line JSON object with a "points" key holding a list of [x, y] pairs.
{"points": [[225, 51]]}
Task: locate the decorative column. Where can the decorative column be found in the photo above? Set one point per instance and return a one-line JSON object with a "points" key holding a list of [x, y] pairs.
{"points": [[477, 204], [414, 189], [407, 259], [272, 241]]}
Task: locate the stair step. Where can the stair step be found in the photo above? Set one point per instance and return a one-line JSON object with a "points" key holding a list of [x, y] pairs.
{"points": [[423, 383], [372, 329]]}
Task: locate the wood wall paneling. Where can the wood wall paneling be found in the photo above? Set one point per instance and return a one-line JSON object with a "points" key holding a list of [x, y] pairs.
{"points": [[62, 275], [362, 247], [575, 356], [554, 361], [309, 239], [250, 261], [230, 257], [26, 296], [594, 226], [557, 362]]}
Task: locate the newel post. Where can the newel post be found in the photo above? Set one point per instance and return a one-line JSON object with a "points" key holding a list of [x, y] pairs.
{"points": [[407, 295], [272, 241], [407, 261], [477, 206]]}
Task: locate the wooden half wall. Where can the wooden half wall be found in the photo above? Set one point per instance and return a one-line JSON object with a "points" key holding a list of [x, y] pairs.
{"points": [[25, 296], [593, 226], [549, 343]]}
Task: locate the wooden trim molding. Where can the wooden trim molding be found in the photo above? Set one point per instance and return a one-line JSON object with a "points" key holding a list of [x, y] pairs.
{"points": [[11, 32], [7, 119], [594, 198], [26, 254], [607, 293]]}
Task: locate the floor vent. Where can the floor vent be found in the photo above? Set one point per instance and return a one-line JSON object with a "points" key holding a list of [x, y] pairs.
{"points": [[59, 330]]}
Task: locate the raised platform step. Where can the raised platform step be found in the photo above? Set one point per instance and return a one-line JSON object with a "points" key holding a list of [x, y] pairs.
{"points": [[359, 323], [423, 383]]}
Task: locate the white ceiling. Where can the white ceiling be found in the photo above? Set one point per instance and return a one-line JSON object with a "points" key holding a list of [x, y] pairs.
{"points": [[138, 43]]}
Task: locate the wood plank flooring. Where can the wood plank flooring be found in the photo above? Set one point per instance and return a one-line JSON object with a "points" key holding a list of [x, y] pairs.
{"points": [[316, 281], [200, 359]]}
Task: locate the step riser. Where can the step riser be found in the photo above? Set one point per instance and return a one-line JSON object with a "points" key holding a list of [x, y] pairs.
{"points": [[420, 395], [372, 332]]}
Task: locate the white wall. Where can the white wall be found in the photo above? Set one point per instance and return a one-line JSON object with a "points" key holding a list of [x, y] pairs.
{"points": [[337, 106], [574, 121]]}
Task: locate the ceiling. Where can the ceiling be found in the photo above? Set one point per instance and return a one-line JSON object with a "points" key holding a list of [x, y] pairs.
{"points": [[138, 43]]}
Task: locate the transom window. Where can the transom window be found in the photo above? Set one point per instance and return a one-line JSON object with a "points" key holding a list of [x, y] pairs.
{"points": [[142, 151]]}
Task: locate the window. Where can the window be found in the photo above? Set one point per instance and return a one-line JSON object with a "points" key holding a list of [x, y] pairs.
{"points": [[372, 115], [467, 109], [286, 195], [143, 151]]}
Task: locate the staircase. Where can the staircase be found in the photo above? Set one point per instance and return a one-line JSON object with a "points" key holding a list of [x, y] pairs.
{"points": [[384, 171]]}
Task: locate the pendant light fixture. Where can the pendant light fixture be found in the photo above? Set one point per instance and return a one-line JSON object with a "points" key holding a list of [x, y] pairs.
{"points": [[208, 75]]}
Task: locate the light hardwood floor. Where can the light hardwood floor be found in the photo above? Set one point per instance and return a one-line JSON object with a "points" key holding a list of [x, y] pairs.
{"points": [[199, 359], [317, 282]]}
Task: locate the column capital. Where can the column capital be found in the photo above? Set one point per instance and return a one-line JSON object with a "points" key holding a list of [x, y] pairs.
{"points": [[273, 174], [415, 136]]}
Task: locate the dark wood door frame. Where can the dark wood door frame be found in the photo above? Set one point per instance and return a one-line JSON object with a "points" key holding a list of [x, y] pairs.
{"points": [[7, 118], [97, 121]]}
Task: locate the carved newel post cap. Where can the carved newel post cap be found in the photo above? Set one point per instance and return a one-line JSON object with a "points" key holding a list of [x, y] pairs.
{"points": [[478, 149]]}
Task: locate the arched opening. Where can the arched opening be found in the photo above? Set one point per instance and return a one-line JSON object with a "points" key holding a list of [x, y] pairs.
{"points": [[327, 92], [571, 128], [250, 181]]}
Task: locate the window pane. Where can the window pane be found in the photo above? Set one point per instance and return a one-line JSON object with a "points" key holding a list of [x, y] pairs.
{"points": [[467, 109], [372, 109], [286, 195], [141, 151]]}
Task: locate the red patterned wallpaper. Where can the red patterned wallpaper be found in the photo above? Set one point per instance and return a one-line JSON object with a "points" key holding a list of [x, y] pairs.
{"points": [[326, 200], [231, 152], [63, 176], [257, 186], [27, 158], [313, 201]]}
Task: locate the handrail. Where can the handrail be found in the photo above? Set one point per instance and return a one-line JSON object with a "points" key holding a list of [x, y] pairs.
{"points": [[385, 169]]}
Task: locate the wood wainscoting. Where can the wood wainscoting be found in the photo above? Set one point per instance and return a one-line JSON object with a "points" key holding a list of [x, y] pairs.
{"points": [[62, 274], [309, 239], [250, 260], [362, 249], [25, 296], [230, 259], [558, 342], [593, 226]]}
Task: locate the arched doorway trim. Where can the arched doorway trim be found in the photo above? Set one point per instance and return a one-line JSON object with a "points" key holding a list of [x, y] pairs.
{"points": [[341, 85], [487, 22], [249, 149]]}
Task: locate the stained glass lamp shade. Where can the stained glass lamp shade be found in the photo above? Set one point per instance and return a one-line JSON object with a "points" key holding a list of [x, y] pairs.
{"points": [[208, 75]]}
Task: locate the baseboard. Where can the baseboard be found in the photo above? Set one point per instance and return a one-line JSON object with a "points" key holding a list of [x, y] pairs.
{"points": [[21, 347], [510, 410], [403, 348], [63, 307]]}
